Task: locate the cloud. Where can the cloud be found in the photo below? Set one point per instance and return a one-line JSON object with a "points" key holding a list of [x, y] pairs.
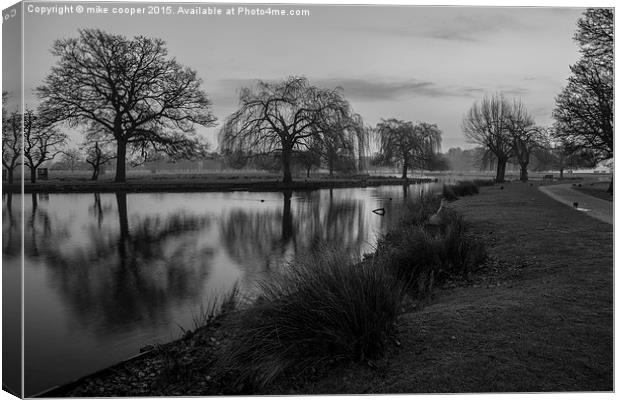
{"points": [[453, 24], [473, 28], [378, 89]]}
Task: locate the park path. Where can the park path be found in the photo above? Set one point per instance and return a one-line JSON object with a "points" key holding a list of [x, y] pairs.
{"points": [[602, 210]]}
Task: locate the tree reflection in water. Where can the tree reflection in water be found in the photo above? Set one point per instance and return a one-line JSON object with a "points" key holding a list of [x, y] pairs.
{"points": [[130, 275], [11, 232], [261, 241]]}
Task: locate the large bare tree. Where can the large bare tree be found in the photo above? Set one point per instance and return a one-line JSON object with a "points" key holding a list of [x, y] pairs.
{"points": [[139, 96], [486, 124], [584, 110], [42, 142], [411, 145], [283, 117]]}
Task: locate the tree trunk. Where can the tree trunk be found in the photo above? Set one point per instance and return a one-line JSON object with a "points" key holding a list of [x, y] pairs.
{"points": [[308, 172], [501, 170], [610, 189], [33, 175], [405, 166], [123, 221], [9, 173], [523, 176], [121, 153], [561, 173], [287, 218], [95, 173], [286, 164]]}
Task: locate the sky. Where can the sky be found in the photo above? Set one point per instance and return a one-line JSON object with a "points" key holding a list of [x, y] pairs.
{"points": [[408, 62]]}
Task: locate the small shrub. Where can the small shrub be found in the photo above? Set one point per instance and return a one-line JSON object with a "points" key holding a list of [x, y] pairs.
{"points": [[461, 252], [459, 189], [319, 310], [449, 193], [465, 188]]}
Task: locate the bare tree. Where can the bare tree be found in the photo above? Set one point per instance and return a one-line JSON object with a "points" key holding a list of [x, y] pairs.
{"points": [[526, 136], [486, 124], [403, 142], [282, 117], [585, 108], [97, 155], [42, 142], [139, 96], [71, 158], [11, 142]]}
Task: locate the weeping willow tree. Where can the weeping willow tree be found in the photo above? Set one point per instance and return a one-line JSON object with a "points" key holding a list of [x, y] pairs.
{"points": [[285, 117], [362, 136], [406, 143]]}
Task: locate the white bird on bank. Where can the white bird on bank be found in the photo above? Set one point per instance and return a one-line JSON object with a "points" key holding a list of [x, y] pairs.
{"points": [[435, 219]]}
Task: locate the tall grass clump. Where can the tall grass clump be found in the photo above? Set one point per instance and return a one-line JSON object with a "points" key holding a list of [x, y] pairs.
{"points": [[461, 252], [414, 257], [421, 255], [319, 310]]}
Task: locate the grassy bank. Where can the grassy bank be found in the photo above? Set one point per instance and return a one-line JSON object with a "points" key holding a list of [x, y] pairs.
{"points": [[538, 317]]}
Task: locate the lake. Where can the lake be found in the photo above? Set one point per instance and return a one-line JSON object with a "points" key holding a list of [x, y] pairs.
{"points": [[106, 274]]}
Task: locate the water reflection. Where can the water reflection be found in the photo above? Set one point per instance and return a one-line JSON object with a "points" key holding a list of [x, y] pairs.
{"points": [[117, 271], [137, 270], [261, 241]]}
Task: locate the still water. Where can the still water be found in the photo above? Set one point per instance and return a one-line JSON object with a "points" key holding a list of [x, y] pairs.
{"points": [[106, 274]]}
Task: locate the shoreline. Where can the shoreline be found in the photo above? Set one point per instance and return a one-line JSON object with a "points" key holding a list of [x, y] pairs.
{"points": [[207, 186]]}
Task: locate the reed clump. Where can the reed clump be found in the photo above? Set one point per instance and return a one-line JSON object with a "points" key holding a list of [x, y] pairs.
{"points": [[319, 310]]}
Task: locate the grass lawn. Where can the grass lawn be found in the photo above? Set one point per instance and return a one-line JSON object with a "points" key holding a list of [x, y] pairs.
{"points": [[538, 318], [596, 189]]}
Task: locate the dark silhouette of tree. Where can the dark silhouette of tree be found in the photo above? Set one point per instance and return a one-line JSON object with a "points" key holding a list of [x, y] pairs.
{"points": [[11, 142], [334, 148], [97, 155], [309, 159], [281, 118], [405, 143], [42, 142], [486, 124], [137, 95], [11, 138], [585, 108], [526, 136]]}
